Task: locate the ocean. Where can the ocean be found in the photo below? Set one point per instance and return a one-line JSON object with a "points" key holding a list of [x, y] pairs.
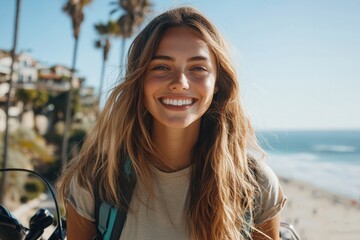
{"points": [[329, 160]]}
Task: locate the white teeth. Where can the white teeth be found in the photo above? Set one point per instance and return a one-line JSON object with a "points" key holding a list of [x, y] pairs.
{"points": [[177, 102]]}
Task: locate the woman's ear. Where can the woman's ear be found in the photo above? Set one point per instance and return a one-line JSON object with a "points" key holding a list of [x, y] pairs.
{"points": [[216, 89]]}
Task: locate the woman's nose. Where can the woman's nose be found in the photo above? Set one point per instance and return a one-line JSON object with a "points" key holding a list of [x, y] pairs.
{"points": [[179, 82]]}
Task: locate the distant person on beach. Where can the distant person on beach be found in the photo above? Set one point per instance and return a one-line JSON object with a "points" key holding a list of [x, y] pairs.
{"points": [[174, 134]]}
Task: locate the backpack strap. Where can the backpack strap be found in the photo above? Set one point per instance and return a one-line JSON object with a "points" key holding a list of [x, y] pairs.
{"points": [[110, 220]]}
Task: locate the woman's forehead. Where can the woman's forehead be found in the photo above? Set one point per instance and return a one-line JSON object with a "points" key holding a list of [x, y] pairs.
{"points": [[183, 39]]}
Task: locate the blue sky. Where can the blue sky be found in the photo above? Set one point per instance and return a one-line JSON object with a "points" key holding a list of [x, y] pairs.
{"points": [[298, 61]]}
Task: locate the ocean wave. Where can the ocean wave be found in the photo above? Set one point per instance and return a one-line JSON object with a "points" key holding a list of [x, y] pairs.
{"points": [[295, 156], [335, 148], [338, 177]]}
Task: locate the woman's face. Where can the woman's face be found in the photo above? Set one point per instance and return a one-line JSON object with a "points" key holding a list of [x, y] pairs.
{"points": [[180, 80]]}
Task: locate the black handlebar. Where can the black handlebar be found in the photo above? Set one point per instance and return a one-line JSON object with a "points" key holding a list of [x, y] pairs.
{"points": [[42, 219]]}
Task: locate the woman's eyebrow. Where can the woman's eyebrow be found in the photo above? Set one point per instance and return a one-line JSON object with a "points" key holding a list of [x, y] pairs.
{"points": [[198, 58], [163, 57], [168, 58]]}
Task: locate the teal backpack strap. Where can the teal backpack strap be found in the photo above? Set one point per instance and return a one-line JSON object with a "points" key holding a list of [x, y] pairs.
{"points": [[110, 220]]}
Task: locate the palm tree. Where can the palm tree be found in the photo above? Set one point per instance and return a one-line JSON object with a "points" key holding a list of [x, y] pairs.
{"points": [[104, 30], [134, 12], [8, 99], [74, 8]]}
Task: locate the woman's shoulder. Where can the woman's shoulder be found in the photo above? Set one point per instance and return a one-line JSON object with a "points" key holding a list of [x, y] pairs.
{"points": [[81, 198], [265, 176], [270, 198]]}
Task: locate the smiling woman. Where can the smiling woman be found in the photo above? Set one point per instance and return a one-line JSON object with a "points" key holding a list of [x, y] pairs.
{"points": [[174, 137], [180, 81]]}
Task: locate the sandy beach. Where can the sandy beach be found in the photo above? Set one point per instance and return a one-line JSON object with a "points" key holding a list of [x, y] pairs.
{"points": [[317, 214]]}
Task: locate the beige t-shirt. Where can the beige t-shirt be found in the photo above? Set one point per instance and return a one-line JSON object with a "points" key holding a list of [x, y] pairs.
{"points": [[164, 217]]}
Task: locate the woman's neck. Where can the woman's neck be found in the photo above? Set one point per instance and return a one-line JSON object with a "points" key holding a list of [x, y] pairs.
{"points": [[175, 145]]}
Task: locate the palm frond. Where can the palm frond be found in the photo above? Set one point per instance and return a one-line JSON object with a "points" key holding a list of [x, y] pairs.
{"points": [[114, 3], [97, 44], [114, 11]]}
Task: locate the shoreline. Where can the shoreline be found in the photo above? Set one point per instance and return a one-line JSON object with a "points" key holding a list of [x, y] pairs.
{"points": [[320, 192], [319, 214]]}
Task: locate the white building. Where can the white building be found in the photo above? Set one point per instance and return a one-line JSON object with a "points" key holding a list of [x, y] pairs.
{"points": [[29, 73], [25, 68], [5, 62], [57, 78]]}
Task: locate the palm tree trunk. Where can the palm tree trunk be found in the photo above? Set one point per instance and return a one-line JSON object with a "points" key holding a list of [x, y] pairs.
{"points": [[69, 107], [102, 76], [8, 99], [122, 60]]}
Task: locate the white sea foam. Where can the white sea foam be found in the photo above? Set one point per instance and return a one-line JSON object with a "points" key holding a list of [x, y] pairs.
{"points": [[341, 177], [304, 156], [334, 148]]}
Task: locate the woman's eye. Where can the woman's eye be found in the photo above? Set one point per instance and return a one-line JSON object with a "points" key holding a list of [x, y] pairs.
{"points": [[160, 68], [198, 68]]}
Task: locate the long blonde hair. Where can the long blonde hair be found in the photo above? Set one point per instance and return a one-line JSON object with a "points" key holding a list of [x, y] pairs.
{"points": [[223, 185]]}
